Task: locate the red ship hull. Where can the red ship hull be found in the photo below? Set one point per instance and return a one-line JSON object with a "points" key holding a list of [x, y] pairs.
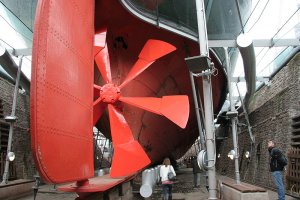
{"points": [[63, 76]]}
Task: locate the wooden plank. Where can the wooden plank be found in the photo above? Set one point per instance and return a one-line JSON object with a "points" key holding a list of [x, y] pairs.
{"points": [[295, 137], [243, 187], [295, 143], [296, 131], [296, 118], [291, 156], [295, 124], [291, 178], [2, 129], [2, 121]]}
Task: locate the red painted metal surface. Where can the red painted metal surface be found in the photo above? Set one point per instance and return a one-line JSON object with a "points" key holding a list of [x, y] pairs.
{"points": [[63, 94], [62, 90], [153, 50], [97, 184], [175, 108], [102, 60], [129, 156]]}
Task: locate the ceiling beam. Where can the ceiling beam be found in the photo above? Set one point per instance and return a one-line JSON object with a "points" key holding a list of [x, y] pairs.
{"points": [[256, 43]]}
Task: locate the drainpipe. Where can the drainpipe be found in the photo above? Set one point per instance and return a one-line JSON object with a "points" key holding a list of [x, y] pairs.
{"points": [[246, 48], [11, 119], [208, 106], [233, 115]]}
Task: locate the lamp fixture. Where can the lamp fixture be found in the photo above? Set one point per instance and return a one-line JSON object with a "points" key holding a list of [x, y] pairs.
{"points": [[10, 118], [11, 156], [247, 154], [231, 154]]}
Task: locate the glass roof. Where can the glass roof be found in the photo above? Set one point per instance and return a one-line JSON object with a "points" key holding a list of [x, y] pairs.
{"points": [[222, 16], [14, 33], [261, 19], [276, 20]]}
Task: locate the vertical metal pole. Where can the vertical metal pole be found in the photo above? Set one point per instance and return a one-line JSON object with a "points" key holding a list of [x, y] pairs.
{"points": [[233, 119], [208, 107], [200, 129], [11, 127]]}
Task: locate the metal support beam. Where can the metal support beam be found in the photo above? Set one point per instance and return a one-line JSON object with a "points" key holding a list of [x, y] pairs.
{"points": [[242, 79], [208, 106], [11, 122], [21, 52], [200, 128], [256, 43]]}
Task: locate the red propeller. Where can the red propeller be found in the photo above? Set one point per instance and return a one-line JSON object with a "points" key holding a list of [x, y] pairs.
{"points": [[129, 156]]}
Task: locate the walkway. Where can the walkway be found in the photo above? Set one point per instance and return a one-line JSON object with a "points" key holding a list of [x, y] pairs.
{"points": [[182, 190]]}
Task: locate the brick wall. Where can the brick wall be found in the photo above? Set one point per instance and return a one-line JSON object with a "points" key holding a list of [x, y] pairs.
{"points": [[23, 163], [270, 113]]}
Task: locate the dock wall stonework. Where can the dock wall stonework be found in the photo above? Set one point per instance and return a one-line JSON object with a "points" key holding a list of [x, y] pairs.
{"points": [[23, 166], [270, 114]]}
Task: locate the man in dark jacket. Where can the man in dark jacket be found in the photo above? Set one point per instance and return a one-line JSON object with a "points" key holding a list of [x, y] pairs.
{"points": [[276, 168], [196, 171]]}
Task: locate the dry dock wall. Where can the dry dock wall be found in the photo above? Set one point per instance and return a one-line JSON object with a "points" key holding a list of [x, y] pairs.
{"points": [[23, 165], [270, 113]]}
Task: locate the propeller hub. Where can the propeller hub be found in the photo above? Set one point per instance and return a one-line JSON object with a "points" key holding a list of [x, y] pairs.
{"points": [[110, 93]]}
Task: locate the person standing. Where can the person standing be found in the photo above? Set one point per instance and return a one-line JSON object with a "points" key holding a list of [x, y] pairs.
{"points": [[196, 172], [276, 167], [165, 168]]}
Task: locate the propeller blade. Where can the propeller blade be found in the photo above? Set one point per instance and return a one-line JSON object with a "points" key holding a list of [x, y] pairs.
{"points": [[98, 109], [175, 108], [129, 156], [99, 41], [152, 50], [96, 91], [128, 159], [102, 57]]}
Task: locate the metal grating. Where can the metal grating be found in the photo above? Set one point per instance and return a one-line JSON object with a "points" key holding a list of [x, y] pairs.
{"points": [[295, 132], [1, 110], [293, 172], [4, 132]]}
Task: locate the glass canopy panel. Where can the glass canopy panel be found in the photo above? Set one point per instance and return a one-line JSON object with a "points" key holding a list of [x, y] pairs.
{"points": [[222, 16], [14, 34], [274, 20]]}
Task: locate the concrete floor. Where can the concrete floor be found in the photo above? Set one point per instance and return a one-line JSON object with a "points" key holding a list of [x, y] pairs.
{"points": [[182, 190]]}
